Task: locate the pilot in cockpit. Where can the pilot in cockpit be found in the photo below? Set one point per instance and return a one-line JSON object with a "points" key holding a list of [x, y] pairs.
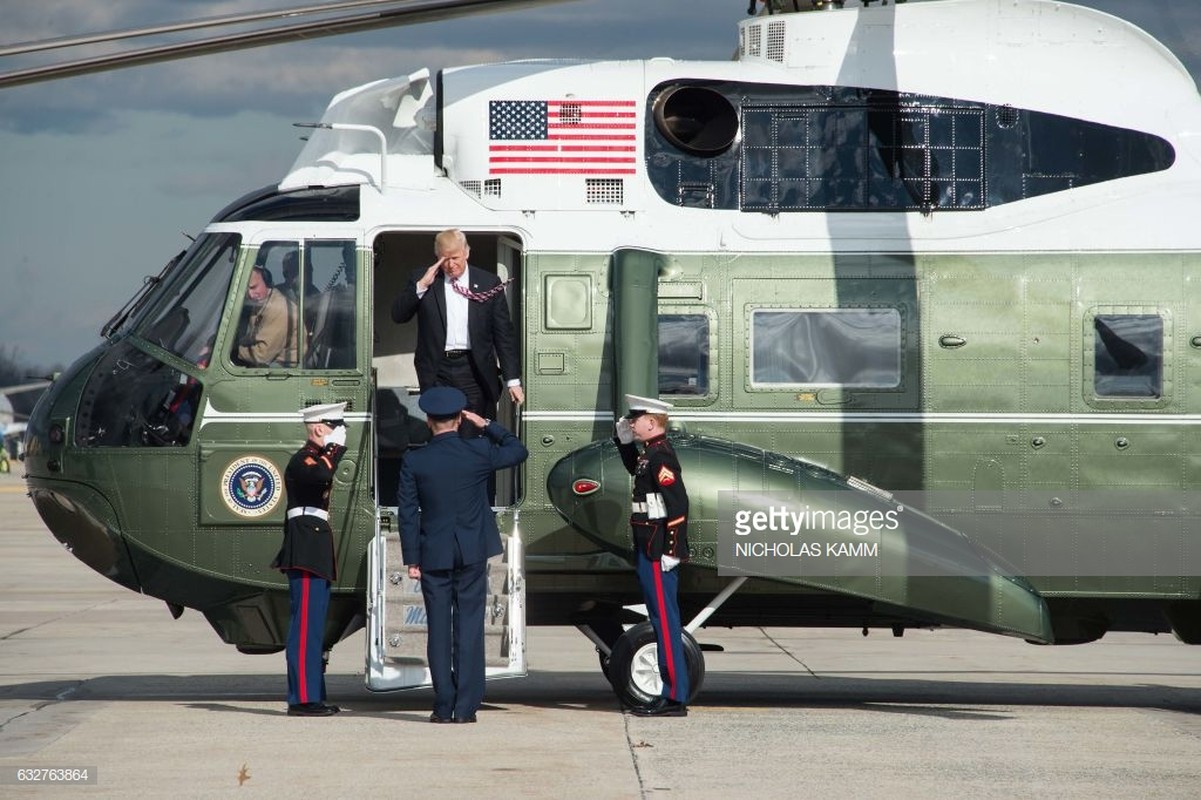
{"points": [[267, 335]]}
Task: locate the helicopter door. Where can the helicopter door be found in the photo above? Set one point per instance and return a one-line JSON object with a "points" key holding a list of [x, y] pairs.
{"points": [[508, 266]]}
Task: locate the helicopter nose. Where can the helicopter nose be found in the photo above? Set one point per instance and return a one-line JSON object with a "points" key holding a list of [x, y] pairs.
{"points": [[85, 524]]}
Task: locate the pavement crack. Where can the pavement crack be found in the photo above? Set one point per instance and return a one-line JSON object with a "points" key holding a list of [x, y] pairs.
{"points": [[27, 628], [625, 721], [19, 631], [786, 652], [58, 698]]}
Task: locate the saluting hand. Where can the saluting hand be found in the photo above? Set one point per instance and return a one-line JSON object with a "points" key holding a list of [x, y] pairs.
{"points": [[336, 436], [427, 279], [475, 419]]}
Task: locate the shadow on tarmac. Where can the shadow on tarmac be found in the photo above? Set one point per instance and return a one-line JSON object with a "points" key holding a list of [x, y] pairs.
{"points": [[587, 691]]}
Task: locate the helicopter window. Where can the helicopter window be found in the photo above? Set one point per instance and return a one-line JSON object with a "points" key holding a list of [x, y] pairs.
{"points": [[852, 347], [315, 204], [683, 354], [1128, 355], [841, 148], [300, 306], [132, 399], [185, 320], [862, 158], [269, 329], [330, 317]]}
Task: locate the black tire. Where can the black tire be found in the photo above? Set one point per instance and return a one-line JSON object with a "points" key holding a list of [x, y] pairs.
{"points": [[633, 665]]}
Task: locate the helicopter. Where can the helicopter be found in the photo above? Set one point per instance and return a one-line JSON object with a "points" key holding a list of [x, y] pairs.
{"points": [[886, 281]]}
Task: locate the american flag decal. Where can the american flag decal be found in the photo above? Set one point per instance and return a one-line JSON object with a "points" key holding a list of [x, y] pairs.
{"points": [[561, 137]]}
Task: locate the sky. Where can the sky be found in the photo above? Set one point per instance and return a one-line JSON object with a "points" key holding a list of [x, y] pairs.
{"points": [[101, 176]]}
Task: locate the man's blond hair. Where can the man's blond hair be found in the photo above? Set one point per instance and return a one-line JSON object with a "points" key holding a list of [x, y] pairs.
{"points": [[449, 239]]}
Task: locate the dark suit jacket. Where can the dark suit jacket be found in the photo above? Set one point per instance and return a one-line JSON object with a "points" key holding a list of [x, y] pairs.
{"points": [[443, 497], [488, 325]]}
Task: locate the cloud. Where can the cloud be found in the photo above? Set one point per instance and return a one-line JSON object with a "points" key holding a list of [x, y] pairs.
{"points": [[284, 77], [106, 170]]}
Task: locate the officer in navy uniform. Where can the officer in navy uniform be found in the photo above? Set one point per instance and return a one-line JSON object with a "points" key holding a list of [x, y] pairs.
{"points": [[307, 555], [659, 521], [447, 534]]}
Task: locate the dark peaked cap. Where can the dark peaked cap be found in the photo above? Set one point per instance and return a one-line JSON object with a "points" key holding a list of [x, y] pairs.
{"points": [[442, 401]]}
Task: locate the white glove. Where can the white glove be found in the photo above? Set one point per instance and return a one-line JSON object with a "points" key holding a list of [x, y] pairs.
{"points": [[625, 431], [668, 563], [336, 436]]}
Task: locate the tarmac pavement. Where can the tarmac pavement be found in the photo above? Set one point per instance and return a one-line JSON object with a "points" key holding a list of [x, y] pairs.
{"points": [[93, 675]]}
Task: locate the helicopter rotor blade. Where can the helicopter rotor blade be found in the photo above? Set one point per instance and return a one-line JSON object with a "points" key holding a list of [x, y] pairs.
{"points": [[410, 13], [20, 48]]}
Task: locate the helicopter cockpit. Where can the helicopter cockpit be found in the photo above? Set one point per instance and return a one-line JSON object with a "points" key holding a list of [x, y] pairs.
{"points": [[140, 394], [146, 392]]}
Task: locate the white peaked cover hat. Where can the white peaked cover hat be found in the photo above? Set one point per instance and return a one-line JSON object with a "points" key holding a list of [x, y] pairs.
{"points": [[329, 412], [645, 405]]}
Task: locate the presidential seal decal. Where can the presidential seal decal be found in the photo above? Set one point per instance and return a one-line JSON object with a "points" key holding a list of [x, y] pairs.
{"points": [[251, 486]]}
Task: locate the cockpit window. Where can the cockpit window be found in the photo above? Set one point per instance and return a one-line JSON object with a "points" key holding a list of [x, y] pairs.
{"points": [[299, 307], [269, 329], [330, 315], [186, 317], [132, 399]]}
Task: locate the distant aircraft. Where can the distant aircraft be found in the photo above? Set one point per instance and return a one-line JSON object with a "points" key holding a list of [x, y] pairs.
{"points": [[929, 325], [12, 431]]}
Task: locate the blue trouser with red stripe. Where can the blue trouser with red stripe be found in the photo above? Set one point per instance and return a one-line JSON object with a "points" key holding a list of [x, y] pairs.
{"points": [[310, 601], [659, 590]]}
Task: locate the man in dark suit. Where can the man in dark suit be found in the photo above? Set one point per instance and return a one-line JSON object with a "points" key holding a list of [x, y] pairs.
{"points": [[463, 327], [447, 534]]}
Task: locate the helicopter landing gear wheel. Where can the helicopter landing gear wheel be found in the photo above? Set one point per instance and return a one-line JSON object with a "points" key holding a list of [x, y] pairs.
{"points": [[633, 667]]}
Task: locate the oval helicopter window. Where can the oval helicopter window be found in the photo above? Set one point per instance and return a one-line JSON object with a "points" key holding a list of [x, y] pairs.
{"points": [[697, 120]]}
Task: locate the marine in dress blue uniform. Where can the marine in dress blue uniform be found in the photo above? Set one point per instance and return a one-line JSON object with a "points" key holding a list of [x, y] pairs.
{"points": [[447, 534], [307, 555], [659, 523]]}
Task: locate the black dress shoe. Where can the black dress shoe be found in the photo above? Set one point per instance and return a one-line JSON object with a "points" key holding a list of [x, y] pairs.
{"points": [[440, 720], [312, 710], [661, 707], [462, 720]]}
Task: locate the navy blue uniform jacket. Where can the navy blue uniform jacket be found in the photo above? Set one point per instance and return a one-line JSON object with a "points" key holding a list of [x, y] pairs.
{"points": [[444, 499]]}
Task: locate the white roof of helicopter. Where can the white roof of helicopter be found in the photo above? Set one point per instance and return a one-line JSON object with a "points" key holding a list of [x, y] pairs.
{"points": [[1035, 54]]}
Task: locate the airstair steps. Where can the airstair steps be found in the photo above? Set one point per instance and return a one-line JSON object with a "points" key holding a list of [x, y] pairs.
{"points": [[405, 618]]}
